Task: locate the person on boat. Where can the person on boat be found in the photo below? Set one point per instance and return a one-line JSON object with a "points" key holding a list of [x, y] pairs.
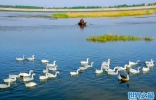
{"points": [[81, 21]]}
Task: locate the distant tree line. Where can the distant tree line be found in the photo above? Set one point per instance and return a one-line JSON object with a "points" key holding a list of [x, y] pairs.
{"points": [[20, 6], [78, 7]]}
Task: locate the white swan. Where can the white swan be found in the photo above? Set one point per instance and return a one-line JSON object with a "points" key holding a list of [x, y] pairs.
{"points": [[83, 68], [9, 80], [105, 66], [75, 73], [45, 70], [147, 62], [128, 66], [13, 76], [51, 65], [84, 62], [53, 68], [106, 63], [53, 75], [43, 77], [151, 64], [20, 59], [121, 68], [134, 71], [26, 79], [113, 72], [44, 61], [99, 71], [146, 69], [3, 86], [123, 78], [31, 58], [30, 84], [133, 63], [26, 74], [89, 66]]}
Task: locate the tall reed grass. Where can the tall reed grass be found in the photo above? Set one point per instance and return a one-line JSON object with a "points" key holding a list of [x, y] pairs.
{"points": [[104, 14], [114, 37]]}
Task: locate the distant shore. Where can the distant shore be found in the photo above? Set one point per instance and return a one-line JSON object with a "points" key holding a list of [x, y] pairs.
{"points": [[77, 10]]}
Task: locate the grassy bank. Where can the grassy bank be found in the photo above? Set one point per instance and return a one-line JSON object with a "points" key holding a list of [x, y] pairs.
{"points": [[104, 14], [114, 37]]}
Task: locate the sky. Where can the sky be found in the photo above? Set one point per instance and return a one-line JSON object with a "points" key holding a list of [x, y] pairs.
{"points": [[71, 3]]}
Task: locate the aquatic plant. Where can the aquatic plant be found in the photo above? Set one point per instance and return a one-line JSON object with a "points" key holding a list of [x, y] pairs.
{"points": [[115, 37], [148, 38], [60, 15]]}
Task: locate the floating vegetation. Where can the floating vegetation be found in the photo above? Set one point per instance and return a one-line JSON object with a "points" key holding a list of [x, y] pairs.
{"points": [[104, 14], [148, 38], [115, 37]]}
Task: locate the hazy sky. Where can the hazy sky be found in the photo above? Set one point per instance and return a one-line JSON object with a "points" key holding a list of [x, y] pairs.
{"points": [[70, 3]]}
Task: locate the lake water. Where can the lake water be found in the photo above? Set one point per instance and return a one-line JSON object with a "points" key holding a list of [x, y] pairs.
{"points": [[64, 41]]}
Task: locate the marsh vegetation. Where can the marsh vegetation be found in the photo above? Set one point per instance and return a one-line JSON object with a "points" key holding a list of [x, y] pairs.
{"points": [[115, 37], [104, 14]]}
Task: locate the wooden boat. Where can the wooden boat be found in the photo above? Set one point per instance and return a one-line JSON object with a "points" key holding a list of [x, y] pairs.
{"points": [[84, 23]]}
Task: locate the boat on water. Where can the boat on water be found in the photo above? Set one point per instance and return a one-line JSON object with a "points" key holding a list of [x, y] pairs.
{"points": [[82, 23]]}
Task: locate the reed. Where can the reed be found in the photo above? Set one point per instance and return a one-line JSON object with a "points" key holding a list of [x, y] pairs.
{"points": [[104, 14], [115, 37]]}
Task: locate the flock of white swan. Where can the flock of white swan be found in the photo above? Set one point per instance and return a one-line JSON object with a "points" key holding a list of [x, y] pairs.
{"points": [[28, 77]]}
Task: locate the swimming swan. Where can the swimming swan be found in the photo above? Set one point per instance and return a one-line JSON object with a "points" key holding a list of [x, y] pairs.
{"points": [[3, 86], [53, 75], [121, 68], [45, 70], [44, 61], [99, 71], [151, 64], [51, 65], [13, 76], [26, 74], [30, 84], [145, 69], [147, 62], [134, 71], [133, 63], [83, 68], [31, 58], [9, 80], [113, 72], [75, 73], [20, 59], [53, 68], [84, 62], [89, 66], [43, 77], [106, 63], [26, 79], [128, 66]]}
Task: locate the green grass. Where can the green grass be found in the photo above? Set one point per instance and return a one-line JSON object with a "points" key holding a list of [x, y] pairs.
{"points": [[60, 15], [114, 37]]}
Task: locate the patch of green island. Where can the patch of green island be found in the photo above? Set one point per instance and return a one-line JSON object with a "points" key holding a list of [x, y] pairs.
{"points": [[115, 37]]}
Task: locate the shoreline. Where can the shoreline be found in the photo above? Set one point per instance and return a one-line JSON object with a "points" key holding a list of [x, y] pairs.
{"points": [[78, 10]]}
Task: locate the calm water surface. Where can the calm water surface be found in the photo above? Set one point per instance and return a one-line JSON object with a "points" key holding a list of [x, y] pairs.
{"points": [[64, 41]]}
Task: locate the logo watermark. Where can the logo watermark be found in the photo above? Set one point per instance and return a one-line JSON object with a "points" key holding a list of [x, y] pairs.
{"points": [[141, 96]]}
